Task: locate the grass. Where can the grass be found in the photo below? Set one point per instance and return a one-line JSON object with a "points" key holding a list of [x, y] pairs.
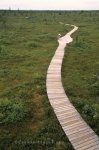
{"points": [[28, 41]]}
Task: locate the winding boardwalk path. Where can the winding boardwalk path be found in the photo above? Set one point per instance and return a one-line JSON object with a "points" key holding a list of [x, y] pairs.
{"points": [[81, 136]]}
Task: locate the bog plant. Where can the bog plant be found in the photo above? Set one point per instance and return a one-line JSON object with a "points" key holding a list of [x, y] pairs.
{"points": [[11, 111]]}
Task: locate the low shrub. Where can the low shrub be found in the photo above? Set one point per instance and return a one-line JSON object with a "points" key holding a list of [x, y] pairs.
{"points": [[33, 44], [11, 111]]}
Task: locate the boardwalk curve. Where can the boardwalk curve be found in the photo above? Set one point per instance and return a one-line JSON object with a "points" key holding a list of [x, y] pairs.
{"points": [[81, 136]]}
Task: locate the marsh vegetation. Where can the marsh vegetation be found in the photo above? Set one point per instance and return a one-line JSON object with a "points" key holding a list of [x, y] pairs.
{"points": [[28, 40]]}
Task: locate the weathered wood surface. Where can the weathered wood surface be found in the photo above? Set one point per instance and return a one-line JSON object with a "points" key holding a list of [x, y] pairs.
{"points": [[81, 136]]}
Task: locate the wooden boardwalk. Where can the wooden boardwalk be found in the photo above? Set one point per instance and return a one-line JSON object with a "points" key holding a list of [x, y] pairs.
{"points": [[81, 136]]}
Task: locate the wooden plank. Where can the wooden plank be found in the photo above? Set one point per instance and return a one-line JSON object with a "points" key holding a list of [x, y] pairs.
{"points": [[88, 142], [81, 136]]}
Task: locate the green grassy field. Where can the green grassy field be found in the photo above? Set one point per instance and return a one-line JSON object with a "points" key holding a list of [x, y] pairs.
{"points": [[28, 41]]}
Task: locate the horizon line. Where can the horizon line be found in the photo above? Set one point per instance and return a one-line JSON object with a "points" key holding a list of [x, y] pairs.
{"points": [[50, 9]]}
